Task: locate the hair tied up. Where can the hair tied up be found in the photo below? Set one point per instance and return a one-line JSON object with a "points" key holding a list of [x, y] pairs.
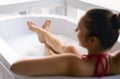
{"points": [[114, 21]]}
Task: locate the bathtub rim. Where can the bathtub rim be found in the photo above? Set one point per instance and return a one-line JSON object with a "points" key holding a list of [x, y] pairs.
{"points": [[42, 15]]}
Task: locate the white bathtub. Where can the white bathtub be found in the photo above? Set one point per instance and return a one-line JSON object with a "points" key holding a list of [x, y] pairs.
{"points": [[17, 41]]}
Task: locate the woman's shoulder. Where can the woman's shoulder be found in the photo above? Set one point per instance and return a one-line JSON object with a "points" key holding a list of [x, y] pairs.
{"points": [[76, 63], [115, 62], [115, 55]]}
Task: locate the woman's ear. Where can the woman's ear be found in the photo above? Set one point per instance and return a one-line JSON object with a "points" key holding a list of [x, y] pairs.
{"points": [[94, 41]]}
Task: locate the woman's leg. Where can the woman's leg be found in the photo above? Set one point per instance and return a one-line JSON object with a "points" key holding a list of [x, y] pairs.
{"points": [[48, 51], [51, 40], [46, 26]]}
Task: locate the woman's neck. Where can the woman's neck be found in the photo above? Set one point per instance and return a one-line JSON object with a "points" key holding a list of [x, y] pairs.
{"points": [[96, 52]]}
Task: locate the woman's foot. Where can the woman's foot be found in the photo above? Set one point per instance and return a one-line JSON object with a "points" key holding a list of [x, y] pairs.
{"points": [[34, 28], [46, 25]]}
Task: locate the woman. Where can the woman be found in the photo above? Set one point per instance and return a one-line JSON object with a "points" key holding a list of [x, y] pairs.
{"points": [[98, 30]]}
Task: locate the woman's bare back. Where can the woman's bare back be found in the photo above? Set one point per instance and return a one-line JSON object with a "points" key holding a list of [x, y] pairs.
{"points": [[115, 63]]}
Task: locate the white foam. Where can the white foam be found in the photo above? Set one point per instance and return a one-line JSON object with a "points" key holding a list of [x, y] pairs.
{"points": [[29, 46]]}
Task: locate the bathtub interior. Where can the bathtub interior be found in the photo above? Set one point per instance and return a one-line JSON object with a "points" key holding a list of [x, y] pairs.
{"points": [[24, 42], [20, 42]]}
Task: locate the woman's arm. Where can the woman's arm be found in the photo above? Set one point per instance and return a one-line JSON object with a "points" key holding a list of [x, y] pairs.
{"points": [[50, 65], [63, 64]]}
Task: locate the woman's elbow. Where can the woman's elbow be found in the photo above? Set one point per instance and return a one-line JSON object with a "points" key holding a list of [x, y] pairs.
{"points": [[14, 68], [19, 69]]}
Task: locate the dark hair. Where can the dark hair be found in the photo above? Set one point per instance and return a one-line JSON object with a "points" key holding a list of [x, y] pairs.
{"points": [[104, 25]]}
